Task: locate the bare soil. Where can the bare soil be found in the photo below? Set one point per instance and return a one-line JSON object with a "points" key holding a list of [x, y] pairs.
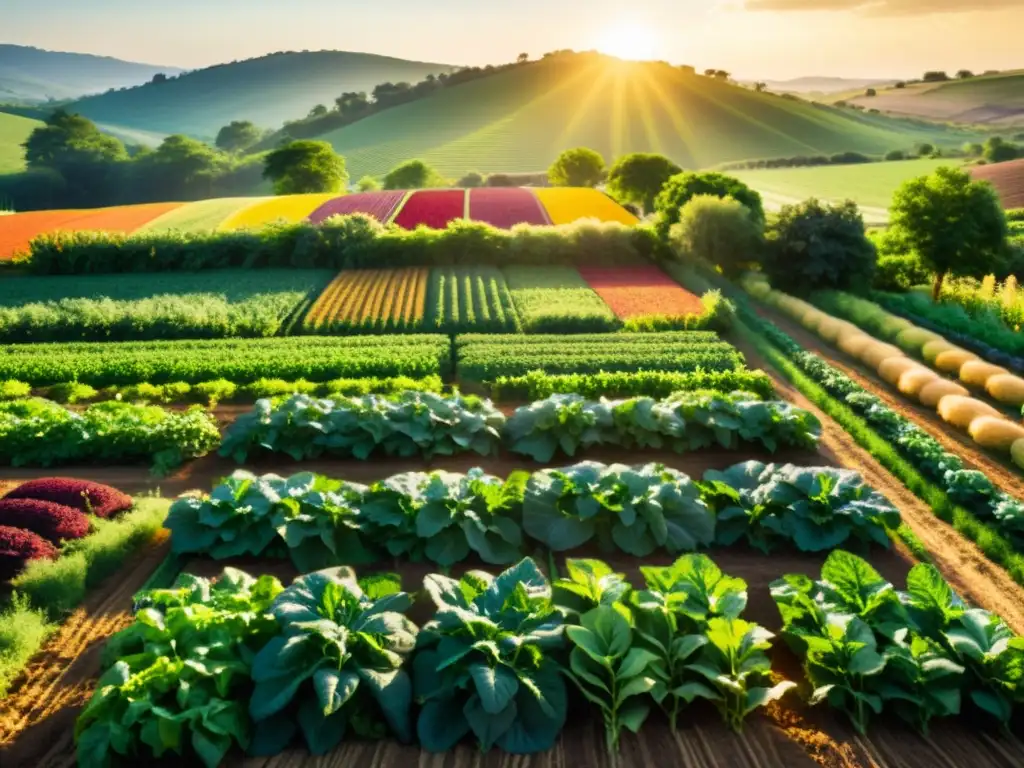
{"points": [[39, 712]]}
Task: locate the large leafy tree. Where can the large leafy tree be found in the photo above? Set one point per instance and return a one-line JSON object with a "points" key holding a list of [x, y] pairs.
{"points": [[638, 178], [718, 230], [819, 246], [954, 225], [238, 135], [683, 187], [305, 166], [180, 168], [413, 174], [580, 167]]}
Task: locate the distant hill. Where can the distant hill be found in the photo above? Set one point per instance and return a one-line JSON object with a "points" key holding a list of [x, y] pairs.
{"points": [[993, 100], [814, 85], [519, 120], [267, 91], [13, 132], [30, 75]]}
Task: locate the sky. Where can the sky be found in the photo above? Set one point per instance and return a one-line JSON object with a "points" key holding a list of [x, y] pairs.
{"points": [[756, 39]]}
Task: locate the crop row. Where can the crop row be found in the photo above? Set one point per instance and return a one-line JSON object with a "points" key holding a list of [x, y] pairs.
{"points": [[371, 301], [987, 426], [468, 299], [319, 358], [557, 300], [256, 666], [422, 423], [639, 291]]}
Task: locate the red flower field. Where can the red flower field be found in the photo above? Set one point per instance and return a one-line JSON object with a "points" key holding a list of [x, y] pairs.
{"points": [[506, 207], [637, 291], [434, 208], [380, 205]]}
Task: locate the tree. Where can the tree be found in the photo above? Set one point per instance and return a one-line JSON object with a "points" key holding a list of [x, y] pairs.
{"points": [[710, 72], [522, 58], [413, 174], [237, 136], [368, 184], [925, 149], [471, 179], [760, 87], [181, 168], [721, 74], [819, 246], [679, 189], [954, 225], [964, 74], [580, 167], [305, 166], [639, 177], [318, 111], [895, 154], [718, 230], [935, 77], [973, 149], [159, 79], [870, 92], [352, 103], [900, 85], [997, 150]]}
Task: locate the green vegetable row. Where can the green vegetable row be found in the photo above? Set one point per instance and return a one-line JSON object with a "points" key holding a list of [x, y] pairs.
{"points": [[40, 433], [427, 424], [869, 649], [245, 664], [444, 517]]}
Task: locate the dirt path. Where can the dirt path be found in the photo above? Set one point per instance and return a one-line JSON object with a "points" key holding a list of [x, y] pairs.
{"points": [[999, 470], [965, 566], [41, 708]]}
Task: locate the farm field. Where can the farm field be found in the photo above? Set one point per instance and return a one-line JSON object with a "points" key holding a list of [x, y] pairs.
{"points": [[636, 291], [463, 300], [13, 132], [557, 300], [1007, 178], [371, 301], [870, 185]]}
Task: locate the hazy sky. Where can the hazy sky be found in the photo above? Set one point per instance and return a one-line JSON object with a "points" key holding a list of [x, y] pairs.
{"points": [[750, 38]]}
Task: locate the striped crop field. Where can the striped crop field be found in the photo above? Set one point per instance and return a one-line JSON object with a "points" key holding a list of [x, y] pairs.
{"points": [[290, 208], [200, 216], [380, 205], [557, 300], [485, 357], [468, 300], [434, 208], [641, 291], [17, 231], [504, 208], [567, 204], [371, 300]]}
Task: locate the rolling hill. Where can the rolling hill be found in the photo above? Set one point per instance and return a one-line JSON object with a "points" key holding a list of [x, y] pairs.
{"points": [[34, 75], [519, 120], [13, 132], [815, 85], [267, 91], [993, 100], [1007, 178]]}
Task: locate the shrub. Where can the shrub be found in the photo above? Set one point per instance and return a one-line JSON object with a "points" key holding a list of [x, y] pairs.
{"points": [[995, 432], [71, 392], [14, 390], [895, 154], [899, 273], [18, 547], [719, 231], [215, 391], [683, 187], [48, 519], [96, 498], [815, 246]]}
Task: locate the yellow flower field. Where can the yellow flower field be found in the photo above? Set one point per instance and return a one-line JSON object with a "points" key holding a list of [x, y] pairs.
{"points": [[566, 205], [371, 300], [289, 208]]}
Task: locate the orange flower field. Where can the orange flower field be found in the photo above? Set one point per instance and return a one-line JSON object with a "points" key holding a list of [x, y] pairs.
{"points": [[371, 300], [639, 291]]}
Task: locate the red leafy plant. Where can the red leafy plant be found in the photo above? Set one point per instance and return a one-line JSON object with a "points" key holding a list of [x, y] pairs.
{"points": [[96, 498], [50, 520]]}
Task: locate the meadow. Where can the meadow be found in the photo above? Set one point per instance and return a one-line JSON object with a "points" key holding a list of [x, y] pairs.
{"points": [[14, 130]]}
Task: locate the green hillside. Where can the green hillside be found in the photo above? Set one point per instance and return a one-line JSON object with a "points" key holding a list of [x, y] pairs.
{"points": [[994, 100], [519, 120], [267, 91], [35, 75], [870, 185], [13, 132]]}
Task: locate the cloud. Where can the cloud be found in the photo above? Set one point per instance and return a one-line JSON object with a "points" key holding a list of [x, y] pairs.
{"points": [[884, 7]]}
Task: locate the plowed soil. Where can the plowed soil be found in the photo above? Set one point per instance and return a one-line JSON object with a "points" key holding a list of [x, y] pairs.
{"points": [[40, 710]]}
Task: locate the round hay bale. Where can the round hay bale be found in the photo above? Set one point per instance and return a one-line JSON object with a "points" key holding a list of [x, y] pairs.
{"points": [[933, 392], [912, 340], [1006, 388], [960, 411], [812, 319], [877, 352], [1017, 452], [932, 349], [995, 432], [976, 373], [892, 326], [830, 328], [893, 368], [855, 343], [914, 380], [952, 360]]}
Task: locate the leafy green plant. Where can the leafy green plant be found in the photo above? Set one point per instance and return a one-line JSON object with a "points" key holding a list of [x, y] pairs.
{"points": [[180, 674], [637, 510], [443, 516], [336, 664], [484, 664], [611, 672], [589, 584]]}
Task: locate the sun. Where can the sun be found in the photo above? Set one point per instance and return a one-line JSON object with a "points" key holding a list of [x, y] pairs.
{"points": [[632, 41]]}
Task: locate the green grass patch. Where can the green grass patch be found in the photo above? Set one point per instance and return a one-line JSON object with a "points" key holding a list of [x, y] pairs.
{"points": [[14, 130]]}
